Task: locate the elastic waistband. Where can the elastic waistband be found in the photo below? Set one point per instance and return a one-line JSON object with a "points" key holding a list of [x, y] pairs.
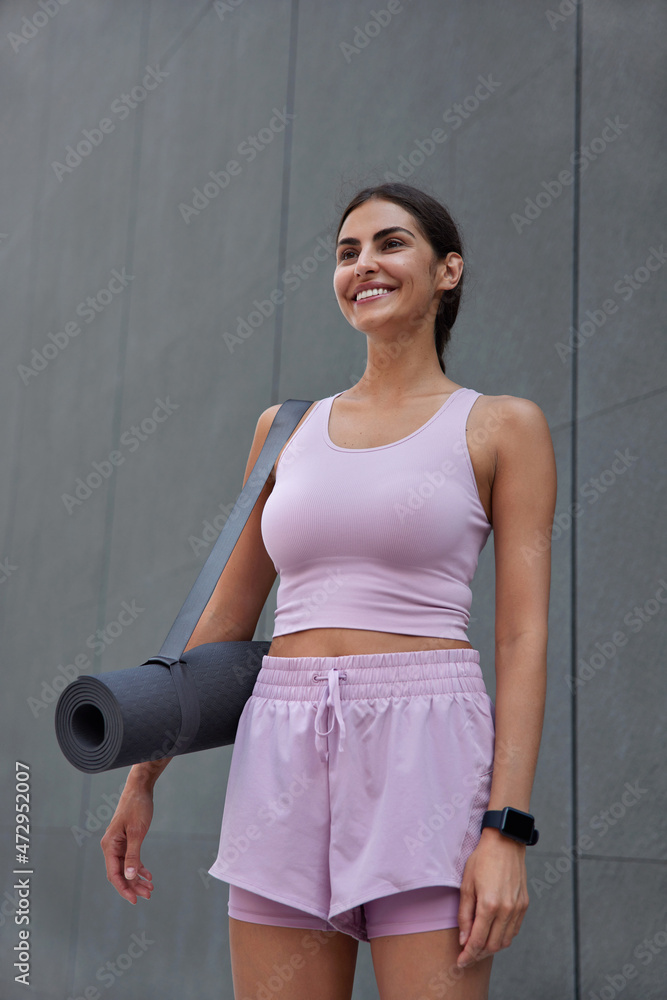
{"points": [[372, 675]]}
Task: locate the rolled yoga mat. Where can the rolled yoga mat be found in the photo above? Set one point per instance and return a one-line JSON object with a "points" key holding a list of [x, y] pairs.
{"points": [[128, 716], [176, 702]]}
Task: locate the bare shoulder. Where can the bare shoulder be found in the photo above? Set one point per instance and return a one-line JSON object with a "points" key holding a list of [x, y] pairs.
{"points": [[265, 420], [504, 433], [505, 420], [267, 417], [262, 429], [509, 406]]}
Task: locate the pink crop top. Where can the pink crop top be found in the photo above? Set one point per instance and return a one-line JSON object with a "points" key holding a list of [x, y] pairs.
{"points": [[383, 538]]}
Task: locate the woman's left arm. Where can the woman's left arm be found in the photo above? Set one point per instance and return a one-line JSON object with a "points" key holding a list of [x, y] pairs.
{"points": [[494, 892]]}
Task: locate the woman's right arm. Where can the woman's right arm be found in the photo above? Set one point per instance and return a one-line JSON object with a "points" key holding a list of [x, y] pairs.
{"points": [[231, 615]]}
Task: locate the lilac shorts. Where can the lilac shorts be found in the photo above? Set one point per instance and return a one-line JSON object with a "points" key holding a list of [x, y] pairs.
{"points": [[355, 778], [429, 908]]}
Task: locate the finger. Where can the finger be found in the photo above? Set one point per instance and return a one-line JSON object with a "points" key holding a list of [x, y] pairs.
{"points": [[142, 873], [477, 941], [116, 859], [132, 859], [113, 857], [466, 913], [508, 917], [131, 890], [501, 933], [128, 890], [141, 884], [514, 925], [145, 883]]}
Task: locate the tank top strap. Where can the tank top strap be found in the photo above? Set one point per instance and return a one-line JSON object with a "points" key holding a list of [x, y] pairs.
{"points": [[461, 404], [462, 400]]}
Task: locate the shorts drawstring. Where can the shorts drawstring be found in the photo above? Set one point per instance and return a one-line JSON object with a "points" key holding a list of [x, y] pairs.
{"points": [[330, 697]]}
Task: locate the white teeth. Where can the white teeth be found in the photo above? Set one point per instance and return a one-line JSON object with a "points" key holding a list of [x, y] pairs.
{"points": [[367, 292]]}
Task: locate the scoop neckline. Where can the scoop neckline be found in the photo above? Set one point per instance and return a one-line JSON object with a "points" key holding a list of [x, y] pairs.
{"points": [[381, 447]]}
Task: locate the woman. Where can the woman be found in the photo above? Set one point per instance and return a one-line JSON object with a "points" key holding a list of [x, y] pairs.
{"points": [[370, 750]]}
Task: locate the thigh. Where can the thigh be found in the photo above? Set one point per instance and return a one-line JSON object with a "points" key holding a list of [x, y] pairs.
{"points": [[414, 946], [415, 966], [293, 962]]}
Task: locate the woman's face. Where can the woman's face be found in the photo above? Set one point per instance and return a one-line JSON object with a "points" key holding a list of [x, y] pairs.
{"points": [[387, 249]]}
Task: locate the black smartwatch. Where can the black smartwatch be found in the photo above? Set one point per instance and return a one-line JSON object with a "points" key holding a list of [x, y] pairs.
{"points": [[520, 826]]}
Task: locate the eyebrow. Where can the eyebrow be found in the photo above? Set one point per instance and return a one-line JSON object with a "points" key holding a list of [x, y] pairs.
{"points": [[353, 241]]}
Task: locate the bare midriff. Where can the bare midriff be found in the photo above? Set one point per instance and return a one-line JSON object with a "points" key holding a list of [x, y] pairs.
{"points": [[348, 641]]}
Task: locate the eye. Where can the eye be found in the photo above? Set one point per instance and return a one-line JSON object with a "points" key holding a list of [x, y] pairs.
{"points": [[391, 239]]}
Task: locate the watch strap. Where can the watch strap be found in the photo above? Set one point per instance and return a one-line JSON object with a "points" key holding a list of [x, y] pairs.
{"points": [[494, 818]]}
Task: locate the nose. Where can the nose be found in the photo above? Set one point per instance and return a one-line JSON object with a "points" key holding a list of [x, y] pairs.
{"points": [[365, 261]]}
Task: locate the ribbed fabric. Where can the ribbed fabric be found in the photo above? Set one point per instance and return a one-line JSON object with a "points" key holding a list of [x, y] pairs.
{"points": [[386, 538]]}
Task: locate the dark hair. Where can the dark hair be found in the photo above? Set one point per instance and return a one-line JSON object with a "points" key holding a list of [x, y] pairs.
{"points": [[441, 231]]}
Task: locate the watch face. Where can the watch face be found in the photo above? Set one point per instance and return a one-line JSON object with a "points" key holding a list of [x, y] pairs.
{"points": [[518, 824]]}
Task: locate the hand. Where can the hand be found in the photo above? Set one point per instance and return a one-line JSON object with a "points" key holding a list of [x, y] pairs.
{"points": [[122, 841], [494, 896]]}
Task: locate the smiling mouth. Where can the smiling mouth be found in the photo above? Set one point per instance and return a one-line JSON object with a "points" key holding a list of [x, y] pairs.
{"points": [[373, 296]]}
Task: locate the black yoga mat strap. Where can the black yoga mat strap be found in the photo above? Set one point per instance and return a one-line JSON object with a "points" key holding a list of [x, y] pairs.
{"points": [[284, 422], [188, 700], [210, 683]]}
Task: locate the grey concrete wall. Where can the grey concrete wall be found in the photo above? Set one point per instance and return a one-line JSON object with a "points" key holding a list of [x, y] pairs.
{"points": [[544, 257]]}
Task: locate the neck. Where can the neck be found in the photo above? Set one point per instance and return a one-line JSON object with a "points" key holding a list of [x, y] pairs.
{"points": [[398, 370]]}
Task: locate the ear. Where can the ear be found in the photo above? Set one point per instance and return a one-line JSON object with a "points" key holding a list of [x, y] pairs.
{"points": [[449, 271]]}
